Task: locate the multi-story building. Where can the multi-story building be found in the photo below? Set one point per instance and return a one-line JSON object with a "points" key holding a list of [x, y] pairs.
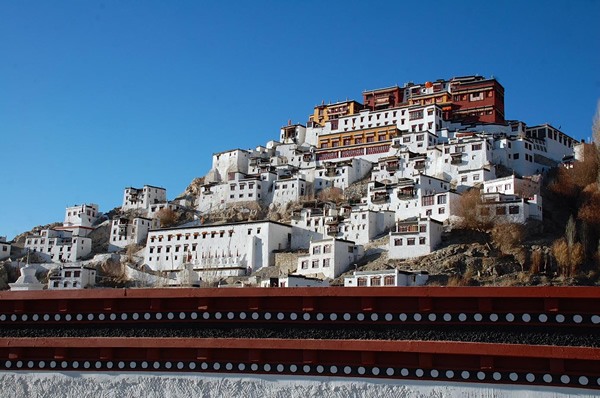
{"points": [[80, 218], [498, 208], [329, 258], [58, 245], [387, 277], [415, 237], [5, 248], [332, 112], [73, 276], [220, 250], [127, 231], [143, 198]]}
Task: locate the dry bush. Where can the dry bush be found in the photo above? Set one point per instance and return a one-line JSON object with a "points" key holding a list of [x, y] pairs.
{"points": [[506, 237], [589, 211], [455, 280], [577, 258], [332, 194], [467, 210], [537, 259], [560, 250], [167, 217]]}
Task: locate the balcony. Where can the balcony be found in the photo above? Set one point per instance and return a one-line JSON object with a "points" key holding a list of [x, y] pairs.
{"points": [[332, 231], [380, 197], [419, 165]]}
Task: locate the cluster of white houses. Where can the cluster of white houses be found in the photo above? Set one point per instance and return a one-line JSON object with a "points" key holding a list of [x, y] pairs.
{"points": [[421, 146]]}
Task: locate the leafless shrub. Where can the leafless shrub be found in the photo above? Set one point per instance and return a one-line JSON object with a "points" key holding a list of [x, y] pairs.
{"points": [[507, 236], [331, 194], [537, 259], [467, 210], [167, 217]]}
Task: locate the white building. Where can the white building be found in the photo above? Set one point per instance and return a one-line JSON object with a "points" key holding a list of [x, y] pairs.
{"points": [[388, 277], [294, 281], [289, 189], [73, 276], [59, 245], [83, 216], [4, 248], [415, 237], [523, 187], [218, 250], [125, 231], [143, 198], [499, 208], [329, 258]]}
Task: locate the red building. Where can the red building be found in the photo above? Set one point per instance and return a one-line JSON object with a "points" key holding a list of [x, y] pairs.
{"points": [[477, 100], [383, 98]]}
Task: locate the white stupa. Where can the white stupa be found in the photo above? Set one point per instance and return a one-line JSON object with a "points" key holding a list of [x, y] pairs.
{"points": [[27, 280]]}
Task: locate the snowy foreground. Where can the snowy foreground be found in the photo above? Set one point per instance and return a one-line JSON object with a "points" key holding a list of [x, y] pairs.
{"points": [[108, 385]]}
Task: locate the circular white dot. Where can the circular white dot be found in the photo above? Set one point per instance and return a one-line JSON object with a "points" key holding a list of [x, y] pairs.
{"points": [[156, 365], [547, 378], [583, 381], [347, 316], [513, 376], [374, 317], [462, 317], [254, 367], [267, 367], [216, 366], [180, 365], [333, 369], [417, 317], [53, 364], [361, 370], [390, 371], [293, 316], [204, 366], [404, 372], [478, 317], [530, 377], [510, 317], [132, 364], [306, 316], [432, 317], [2, 317], [64, 364], [403, 317], [194, 315], [320, 317], [205, 315], [280, 368], [333, 316], [113, 317], [168, 365], [565, 379], [360, 316], [101, 317], [493, 317], [192, 365], [449, 374], [47, 317], [56, 317], [42, 364], [306, 368], [389, 317], [596, 319], [24, 317], [543, 318], [135, 316], [243, 315], [182, 315], [79, 317], [293, 368], [121, 364], [241, 367], [480, 375], [267, 316], [375, 371], [170, 315], [465, 375], [20, 364], [255, 315], [13, 317], [218, 315], [434, 373], [145, 365], [280, 316], [419, 372], [320, 369], [36, 317], [8, 364], [526, 317], [87, 364], [158, 315], [98, 364], [577, 318], [75, 364], [447, 317], [560, 318], [347, 370], [124, 317], [229, 366], [147, 316]]}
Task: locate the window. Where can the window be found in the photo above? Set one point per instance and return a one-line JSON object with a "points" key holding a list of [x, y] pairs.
{"points": [[415, 115], [389, 280], [410, 241], [427, 200], [513, 209], [441, 200], [362, 281], [475, 177], [376, 281], [315, 263], [476, 147], [422, 228], [398, 242], [316, 249], [327, 249], [421, 240], [326, 262], [501, 211], [441, 210], [305, 264]]}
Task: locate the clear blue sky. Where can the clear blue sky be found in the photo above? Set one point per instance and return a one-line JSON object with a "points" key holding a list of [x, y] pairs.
{"points": [[96, 96]]}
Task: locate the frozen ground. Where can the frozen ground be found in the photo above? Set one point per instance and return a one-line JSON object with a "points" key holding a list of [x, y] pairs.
{"points": [[156, 385]]}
